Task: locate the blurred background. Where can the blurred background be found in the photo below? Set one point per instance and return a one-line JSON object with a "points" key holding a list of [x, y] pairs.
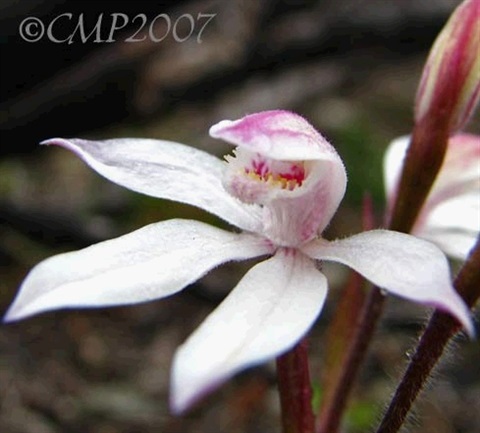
{"points": [[351, 67]]}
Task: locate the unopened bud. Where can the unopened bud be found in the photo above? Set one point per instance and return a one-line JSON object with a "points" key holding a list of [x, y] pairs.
{"points": [[450, 85]]}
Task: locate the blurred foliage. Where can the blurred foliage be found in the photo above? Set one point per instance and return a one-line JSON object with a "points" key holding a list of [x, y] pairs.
{"points": [[360, 151], [361, 416]]}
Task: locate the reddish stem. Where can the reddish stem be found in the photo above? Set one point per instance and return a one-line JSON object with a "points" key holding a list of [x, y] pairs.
{"points": [[295, 390], [333, 410], [440, 330], [423, 161], [342, 358]]}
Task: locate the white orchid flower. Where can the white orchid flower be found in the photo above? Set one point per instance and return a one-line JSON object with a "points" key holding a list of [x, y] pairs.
{"points": [[450, 216], [281, 188]]}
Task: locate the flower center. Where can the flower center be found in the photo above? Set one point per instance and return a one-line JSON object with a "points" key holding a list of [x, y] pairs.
{"points": [[253, 178], [277, 174]]}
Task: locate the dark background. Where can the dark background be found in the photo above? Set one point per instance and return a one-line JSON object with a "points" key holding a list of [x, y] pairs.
{"points": [[351, 67]]}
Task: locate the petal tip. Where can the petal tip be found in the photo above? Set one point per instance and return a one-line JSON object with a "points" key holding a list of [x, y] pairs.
{"points": [[70, 144], [183, 390], [75, 145], [457, 308], [469, 328], [19, 311], [182, 397], [468, 325], [57, 141], [177, 407], [189, 383], [181, 402], [215, 131], [10, 316], [6, 319]]}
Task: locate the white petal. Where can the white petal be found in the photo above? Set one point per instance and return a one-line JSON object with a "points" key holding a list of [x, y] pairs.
{"points": [[453, 225], [153, 262], [400, 263], [268, 312], [451, 215], [393, 164], [459, 213], [459, 174], [166, 170], [456, 244]]}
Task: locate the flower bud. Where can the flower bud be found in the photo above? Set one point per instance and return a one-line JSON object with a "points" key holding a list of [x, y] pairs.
{"points": [[450, 84]]}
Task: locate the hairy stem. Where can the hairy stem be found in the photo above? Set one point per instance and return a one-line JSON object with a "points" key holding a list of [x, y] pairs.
{"points": [[423, 161], [433, 342], [333, 411]]}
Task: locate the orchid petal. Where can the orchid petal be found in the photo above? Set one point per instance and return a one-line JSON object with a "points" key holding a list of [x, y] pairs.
{"points": [[457, 213], [456, 244], [453, 225], [393, 164], [451, 214], [268, 312], [302, 208], [153, 262], [166, 170], [276, 134], [401, 264], [459, 174]]}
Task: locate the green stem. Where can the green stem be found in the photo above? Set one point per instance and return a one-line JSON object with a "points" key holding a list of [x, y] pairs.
{"points": [[295, 390]]}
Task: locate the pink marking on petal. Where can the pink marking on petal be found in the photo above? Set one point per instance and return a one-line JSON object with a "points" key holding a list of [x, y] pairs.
{"points": [[271, 122], [296, 173], [277, 174], [277, 134], [260, 167]]}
